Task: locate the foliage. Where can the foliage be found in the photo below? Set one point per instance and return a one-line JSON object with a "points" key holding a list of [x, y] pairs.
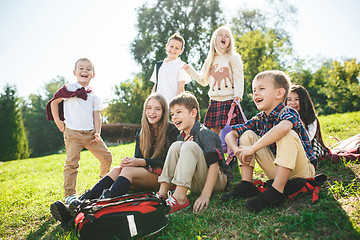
{"points": [[29, 187], [44, 137], [127, 107], [342, 88], [13, 141], [334, 87]]}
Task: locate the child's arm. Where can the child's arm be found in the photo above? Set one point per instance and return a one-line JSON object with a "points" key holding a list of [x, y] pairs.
{"points": [[181, 87], [154, 88], [275, 134], [55, 113], [231, 140], [237, 76], [203, 201], [192, 72], [97, 126]]}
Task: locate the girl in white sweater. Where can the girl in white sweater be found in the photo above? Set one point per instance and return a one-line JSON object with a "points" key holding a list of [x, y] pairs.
{"points": [[223, 72]]}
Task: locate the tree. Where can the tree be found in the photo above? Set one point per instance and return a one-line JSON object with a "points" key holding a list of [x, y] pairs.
{"points": [[128, 106], [342, 87], [44, 137], [194, 20], [13, 141]]}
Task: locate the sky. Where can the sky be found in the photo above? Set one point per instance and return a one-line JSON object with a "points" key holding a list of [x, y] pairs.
{"points": [[42, 39]]}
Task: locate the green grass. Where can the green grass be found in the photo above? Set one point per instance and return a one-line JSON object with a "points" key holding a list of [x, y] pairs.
{"points": [[28, 187]]}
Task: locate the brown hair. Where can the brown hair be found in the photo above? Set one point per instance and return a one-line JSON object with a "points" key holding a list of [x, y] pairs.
{"points": [[147, 137], [281, 80], [188, 100], [177, 37], [85, 59]]}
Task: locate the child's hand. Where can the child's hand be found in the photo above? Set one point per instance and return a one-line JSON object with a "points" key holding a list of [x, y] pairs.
{"points": [[237, 99], [185, 66], [245, 154], [188, 138], [201, 204], [132, 162], [60, 125], [96, 139]]}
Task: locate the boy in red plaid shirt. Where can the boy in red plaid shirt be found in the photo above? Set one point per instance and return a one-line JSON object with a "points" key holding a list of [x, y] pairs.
{"points": [[276, 138]]}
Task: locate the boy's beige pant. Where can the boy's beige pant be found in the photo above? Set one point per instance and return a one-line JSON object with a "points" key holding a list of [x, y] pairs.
{"points": [[185, 165], [290, 154], [75, 141]]}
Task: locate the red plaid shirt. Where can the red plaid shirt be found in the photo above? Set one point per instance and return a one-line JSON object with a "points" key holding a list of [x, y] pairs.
{"points": [[261, 124]]}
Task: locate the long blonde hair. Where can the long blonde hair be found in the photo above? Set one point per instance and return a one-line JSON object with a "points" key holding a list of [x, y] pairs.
{"points": [[147, 137], [214, 49]]}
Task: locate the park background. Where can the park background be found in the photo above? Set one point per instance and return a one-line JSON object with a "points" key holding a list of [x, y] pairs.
{"points": [[315, 42]]}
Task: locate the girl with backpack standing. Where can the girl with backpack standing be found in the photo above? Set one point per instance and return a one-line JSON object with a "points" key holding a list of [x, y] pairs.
{"points": [[223, 72]]}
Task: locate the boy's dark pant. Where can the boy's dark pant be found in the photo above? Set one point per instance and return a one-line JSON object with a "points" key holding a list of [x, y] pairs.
{"points": [[75, 141]]}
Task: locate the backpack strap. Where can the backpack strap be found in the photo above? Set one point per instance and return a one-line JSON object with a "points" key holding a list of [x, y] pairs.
{"points": [[312, 185], [158, 65]]}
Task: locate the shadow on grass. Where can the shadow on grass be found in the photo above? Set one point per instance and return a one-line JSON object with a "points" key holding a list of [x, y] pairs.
{"points": [[51, 229], [331, 217], [296, 219]]}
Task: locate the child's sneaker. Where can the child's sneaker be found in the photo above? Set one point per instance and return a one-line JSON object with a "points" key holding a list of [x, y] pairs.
{"points": [[270, 198], [71, 198], [77, 201], [159, 196], [175, 206], [60, 212], [244, 189]]}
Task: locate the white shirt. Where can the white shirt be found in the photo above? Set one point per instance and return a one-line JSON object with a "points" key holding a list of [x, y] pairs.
{"points": [[169, 76], [78, 113], [312, 129]]}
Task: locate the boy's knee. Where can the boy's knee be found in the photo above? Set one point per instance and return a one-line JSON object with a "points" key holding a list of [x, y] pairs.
{"points": [[175, 146], [248, 137], [189, 146], [290, 137]]}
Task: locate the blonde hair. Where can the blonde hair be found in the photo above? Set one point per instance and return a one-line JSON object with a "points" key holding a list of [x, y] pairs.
{"points": [[188, 100], [85, 59], [280, 79], [214, 49], [147, 137], [177, 37]]}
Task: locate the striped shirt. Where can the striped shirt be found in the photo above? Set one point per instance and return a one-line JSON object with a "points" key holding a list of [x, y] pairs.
{"points": [[261, 124]]}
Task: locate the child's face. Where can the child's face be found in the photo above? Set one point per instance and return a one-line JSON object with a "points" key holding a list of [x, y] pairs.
{"points": [[293, 101], [153, 111], [183, 118], [223, 39], [265, 95], [174, 49], [84, 72]]}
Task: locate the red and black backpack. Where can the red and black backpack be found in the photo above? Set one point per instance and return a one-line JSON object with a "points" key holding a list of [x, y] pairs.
{"points": [[130, 216]]}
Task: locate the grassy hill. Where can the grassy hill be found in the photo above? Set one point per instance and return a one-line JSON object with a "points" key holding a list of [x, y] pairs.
{"points": [[28, 187]]}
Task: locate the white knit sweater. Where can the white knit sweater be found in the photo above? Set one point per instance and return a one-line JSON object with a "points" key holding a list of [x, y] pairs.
{"points": [[226, 78]]}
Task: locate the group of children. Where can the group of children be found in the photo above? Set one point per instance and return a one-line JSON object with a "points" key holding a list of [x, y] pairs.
{"points": [[184, 154]]}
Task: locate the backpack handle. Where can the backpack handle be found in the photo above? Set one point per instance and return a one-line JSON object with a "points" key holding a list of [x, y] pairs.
{"points": [[231, 114]]}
